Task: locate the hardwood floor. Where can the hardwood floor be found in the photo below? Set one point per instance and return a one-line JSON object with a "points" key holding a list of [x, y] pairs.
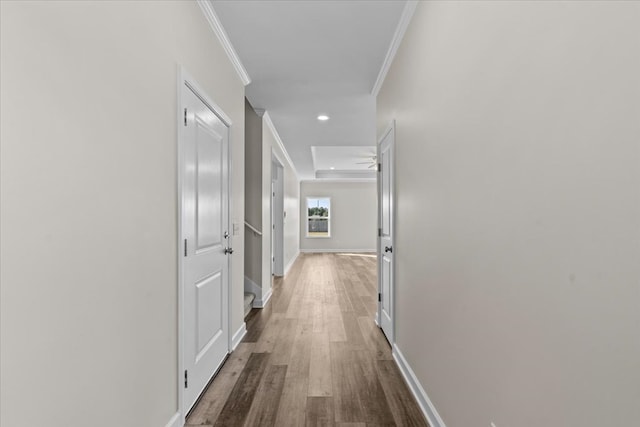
{"points": [[313, 356]]}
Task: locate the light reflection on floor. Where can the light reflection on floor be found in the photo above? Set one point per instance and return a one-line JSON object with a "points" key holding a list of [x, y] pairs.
{"points": [[362, 255]]}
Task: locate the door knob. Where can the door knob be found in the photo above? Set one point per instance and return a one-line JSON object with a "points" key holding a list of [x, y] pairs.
{"points": [[228, 251], [388, 249]]}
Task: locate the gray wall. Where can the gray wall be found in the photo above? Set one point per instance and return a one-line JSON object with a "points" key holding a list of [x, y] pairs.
{"points": [[261, 146], [89, 206], [253, 194], [353, 216], [518, 202]]}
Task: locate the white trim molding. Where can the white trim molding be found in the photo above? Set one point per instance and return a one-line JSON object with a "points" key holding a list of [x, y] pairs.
{"points": [[290, 264], [403, 24], [218, 29], [201, 94], [262, 302], [267, 119], [237, 337], [425, 404], [174, 421]]}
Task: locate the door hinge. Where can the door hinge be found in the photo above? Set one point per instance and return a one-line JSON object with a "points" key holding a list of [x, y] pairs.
{"points": [[185, 116], [379, 232], [379, 297], [379, 167], [185, 247], [186, 382]]}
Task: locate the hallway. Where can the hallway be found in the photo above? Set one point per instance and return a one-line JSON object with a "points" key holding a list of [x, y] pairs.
{"points": [[313, 356]]}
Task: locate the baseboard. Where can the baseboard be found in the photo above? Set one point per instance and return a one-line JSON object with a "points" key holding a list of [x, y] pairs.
{"points": [[237, 337], [359, 251], [377, 319], [290, 264], [262, 302], [410, 378], [251, 286], [174, 421]]}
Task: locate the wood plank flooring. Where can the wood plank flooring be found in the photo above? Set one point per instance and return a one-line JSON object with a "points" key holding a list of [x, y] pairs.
{"points": [[313, 356]]}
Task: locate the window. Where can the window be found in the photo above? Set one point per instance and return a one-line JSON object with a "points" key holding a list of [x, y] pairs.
{"points": [[318, 217]]}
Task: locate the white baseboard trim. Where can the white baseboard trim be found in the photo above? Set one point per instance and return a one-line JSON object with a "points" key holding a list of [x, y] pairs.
{"points": [[410, 378], [174, 421], [290, 264], [237, 337], [350, 251], [377, 319], [262, 302]]}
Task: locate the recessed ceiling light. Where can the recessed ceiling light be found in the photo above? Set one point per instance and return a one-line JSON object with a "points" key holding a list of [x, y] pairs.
{"points": [[332, 168], [323, 117]]}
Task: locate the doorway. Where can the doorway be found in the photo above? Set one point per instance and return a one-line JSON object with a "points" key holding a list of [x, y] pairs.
{"points": [[205, 245], [385, 248]]}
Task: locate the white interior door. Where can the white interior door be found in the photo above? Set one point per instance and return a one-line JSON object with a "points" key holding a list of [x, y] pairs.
{"points": [[205, 268], [385, 240]]}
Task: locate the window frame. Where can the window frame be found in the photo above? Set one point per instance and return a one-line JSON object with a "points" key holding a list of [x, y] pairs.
{"points": [[306, 210]]}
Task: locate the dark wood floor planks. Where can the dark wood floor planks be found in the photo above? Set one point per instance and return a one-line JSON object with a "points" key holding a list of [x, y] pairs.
{"points": [[404, 409], [264, 407], [236, 408], [206, 412], [320, 412], [313, 356]]}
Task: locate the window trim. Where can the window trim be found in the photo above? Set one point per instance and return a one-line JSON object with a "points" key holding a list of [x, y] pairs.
{"points": [[306, 224]]}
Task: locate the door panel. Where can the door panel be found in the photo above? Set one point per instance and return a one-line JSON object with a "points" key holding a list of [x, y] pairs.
{"points": [[386, 192], [205, 268], [209, 186], [208, 322], [386, 250]]}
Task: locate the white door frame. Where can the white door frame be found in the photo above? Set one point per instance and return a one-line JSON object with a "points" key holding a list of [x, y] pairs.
{"points": [[184, 78], [277, 219], [391, 128]]}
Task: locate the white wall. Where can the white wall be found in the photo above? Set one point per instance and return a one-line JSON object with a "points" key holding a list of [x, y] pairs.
{"points": [[353, 215], [291, 241], [89, 207], [292, 219], [518, 201]]}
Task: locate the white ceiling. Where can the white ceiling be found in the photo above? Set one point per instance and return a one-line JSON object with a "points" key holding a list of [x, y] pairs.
{"points": [[307, 58], [345, 158]]}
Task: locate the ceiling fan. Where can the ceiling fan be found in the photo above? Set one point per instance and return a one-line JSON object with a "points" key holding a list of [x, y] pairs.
{"points": [[372, 162]]}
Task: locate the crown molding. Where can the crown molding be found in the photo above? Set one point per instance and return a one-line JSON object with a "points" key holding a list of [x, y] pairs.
{"points": [[403, 24], [218, 29], [276, 135]]}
